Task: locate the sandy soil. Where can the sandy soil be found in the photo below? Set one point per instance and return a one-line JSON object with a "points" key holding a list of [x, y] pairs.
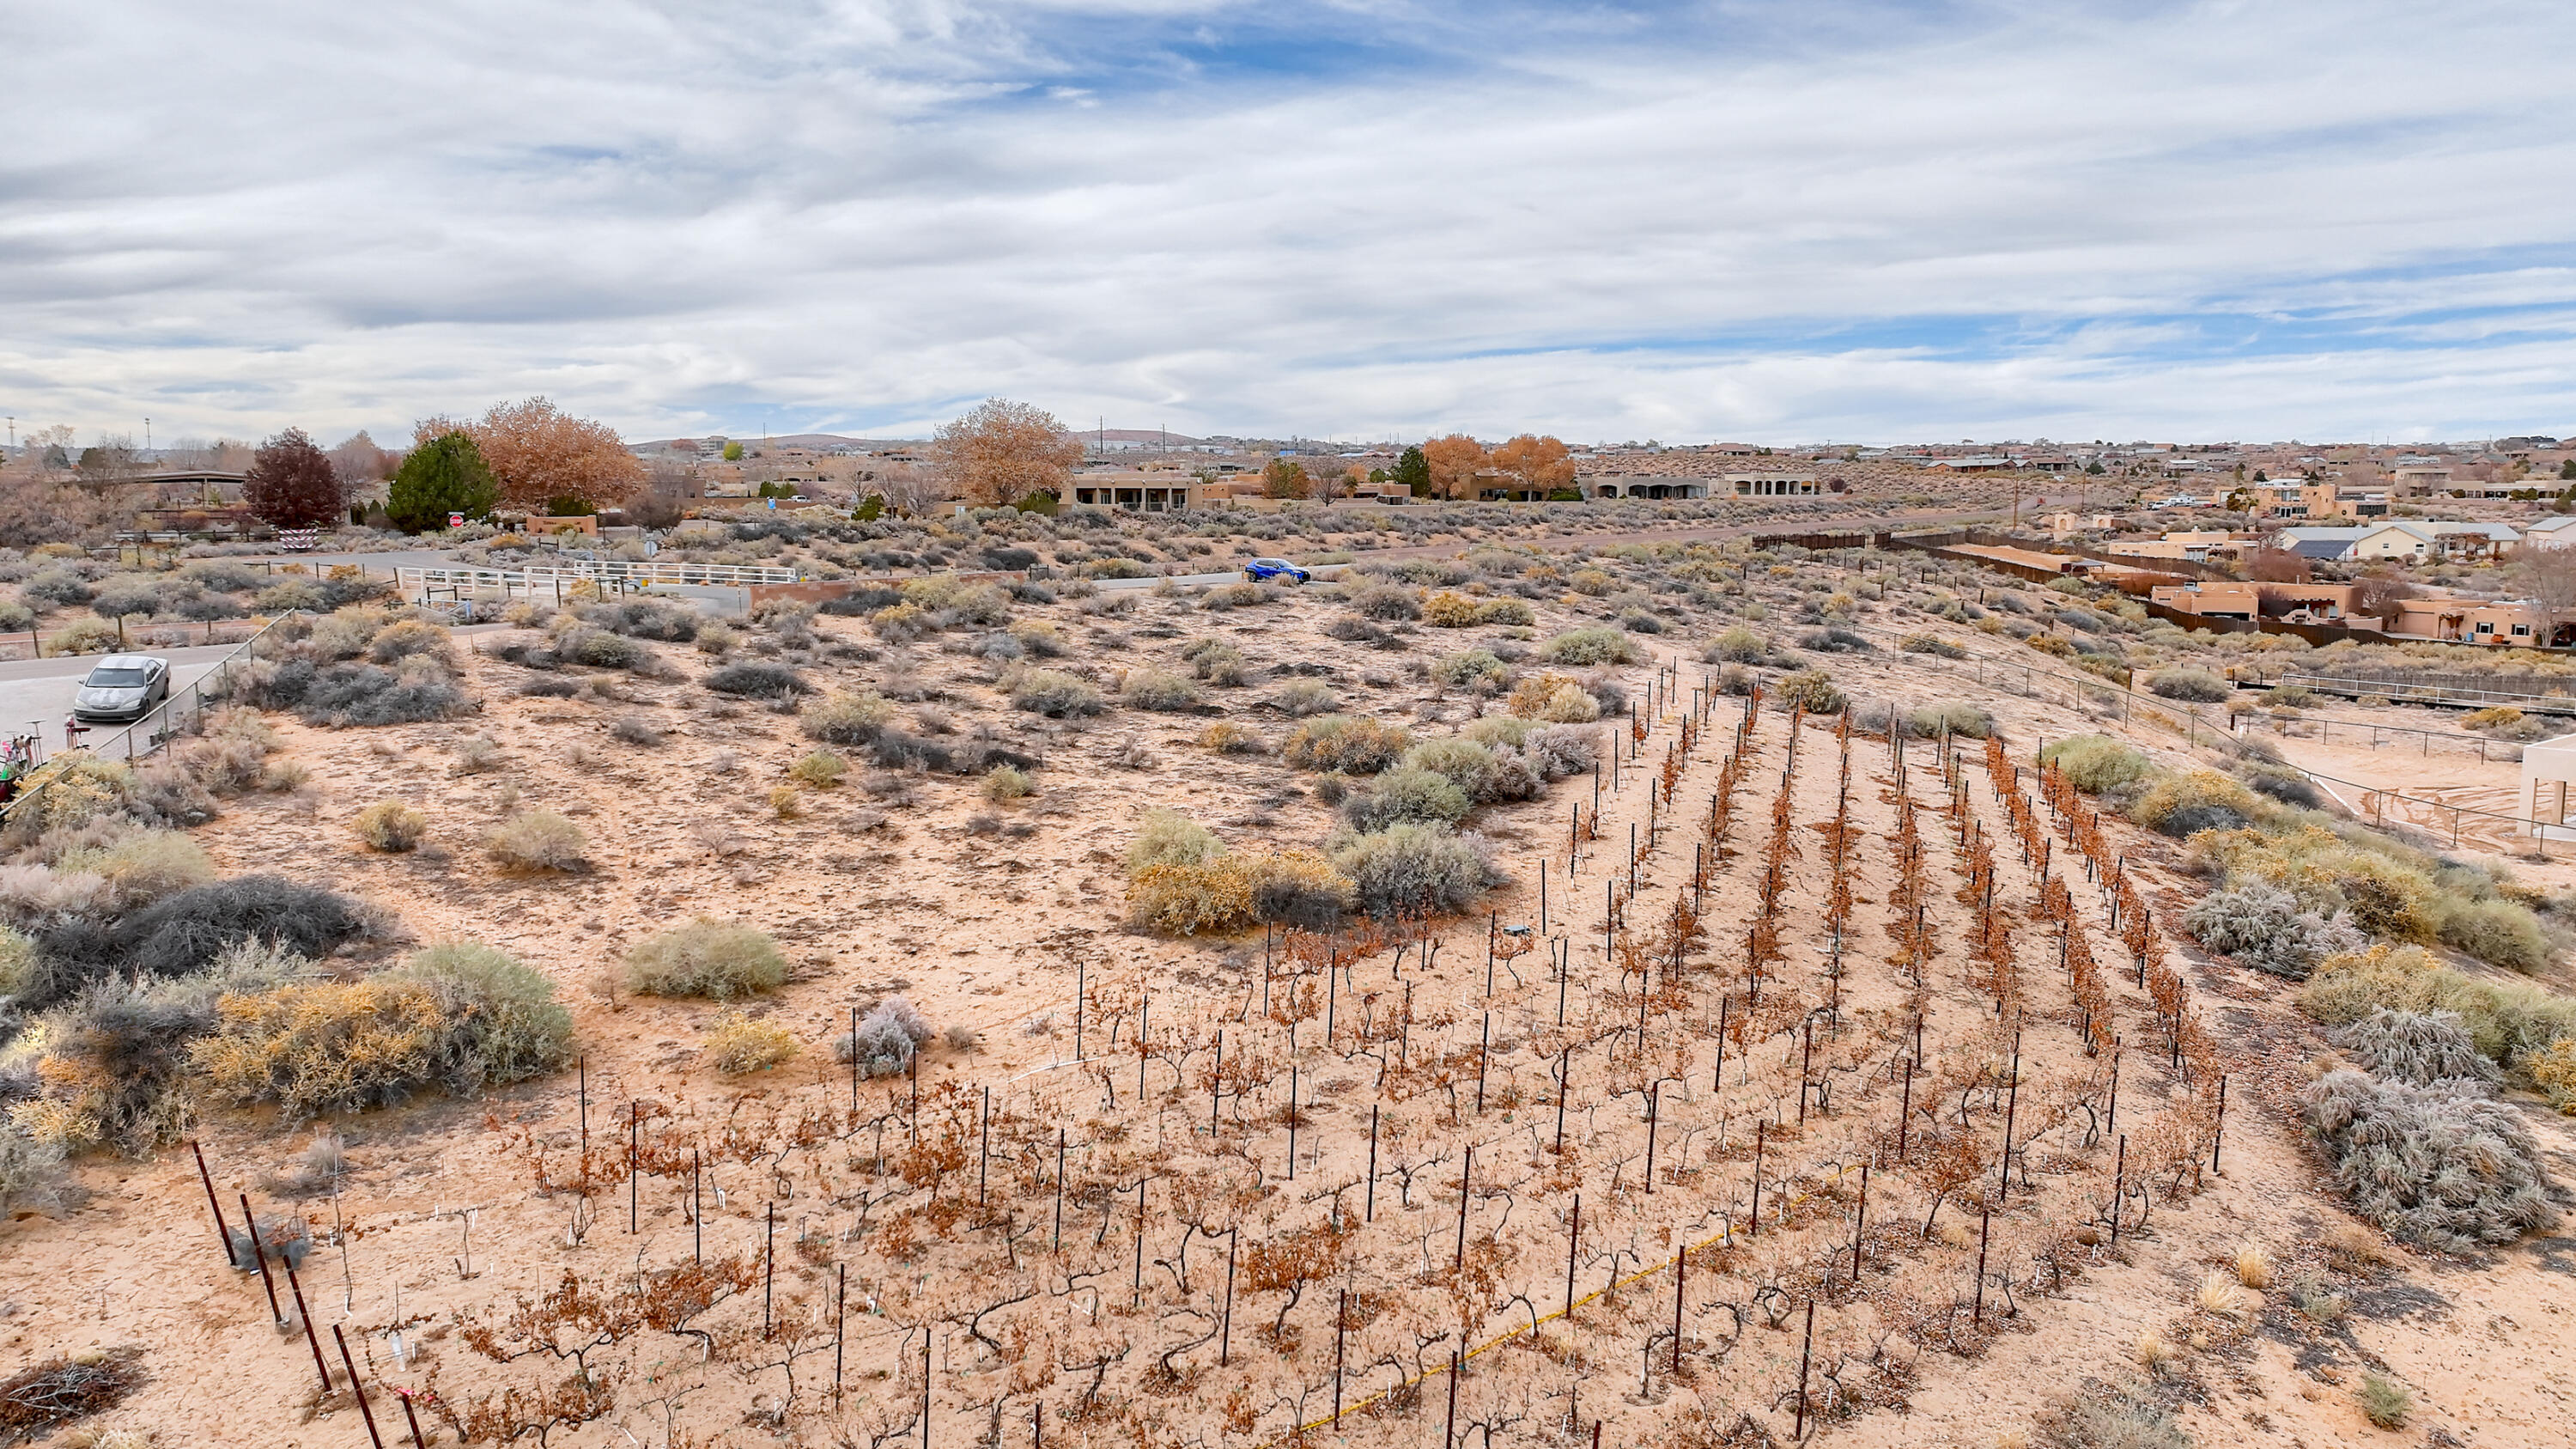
{"points": [[943, 1212]]}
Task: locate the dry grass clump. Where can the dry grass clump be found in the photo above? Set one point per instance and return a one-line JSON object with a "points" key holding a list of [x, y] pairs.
{"points": [[2253, 1267], [2190, 685], [1349, 744], [1387, 603], [1447, 610], [189, 932], [141, 866], [32, 1175], [1406, 794], [2268, 929], [1953, 717], [1217, 662], [2187, 802], [1006, 783], [737, 1045], [2419, 1047], [2220, 1295], [846, 717], [539, 841], [819, 770], [1167, 837], [1229, 892], [1156, 690], [1556, 698], [2552, 1072], [1054, 694], [391, 826], [706, 958], [1228, 738], [1300, 698], [2384, 1401], [2096, 763]]}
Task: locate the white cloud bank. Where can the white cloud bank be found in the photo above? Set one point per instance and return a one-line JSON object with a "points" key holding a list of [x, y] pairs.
{"points": [[1779, 222]]}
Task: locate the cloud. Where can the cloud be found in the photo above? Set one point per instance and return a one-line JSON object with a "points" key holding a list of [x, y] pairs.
{"points": [[1730, 220]]}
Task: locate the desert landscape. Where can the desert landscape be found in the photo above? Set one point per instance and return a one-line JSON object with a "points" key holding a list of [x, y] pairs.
{"points": [[1684, 994]]}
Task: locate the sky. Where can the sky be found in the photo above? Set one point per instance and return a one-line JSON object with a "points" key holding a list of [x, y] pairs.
{"points": [[1820, 221]]}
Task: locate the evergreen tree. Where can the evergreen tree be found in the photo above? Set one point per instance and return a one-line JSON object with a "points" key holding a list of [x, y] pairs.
{"points": [[1414, 472], [445, 475]]}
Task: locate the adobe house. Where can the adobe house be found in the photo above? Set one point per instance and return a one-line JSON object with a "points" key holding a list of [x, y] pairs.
{"points": [[2547, 769]]}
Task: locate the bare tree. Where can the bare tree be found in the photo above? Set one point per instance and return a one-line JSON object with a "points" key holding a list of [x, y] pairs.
{"points": [[360, 463], [909, 488], [2547, 576]]}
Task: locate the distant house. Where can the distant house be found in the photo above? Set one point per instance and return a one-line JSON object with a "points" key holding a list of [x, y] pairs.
{"points": [[2507, 623], [2422, 540], [2192, 545], [1983, 463], [2222, 599], [1773, 485], [1643, 485], [2325, 545], [2418, 478], [2554, 532]]}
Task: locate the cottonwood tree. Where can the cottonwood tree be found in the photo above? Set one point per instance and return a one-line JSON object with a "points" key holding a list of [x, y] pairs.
{"points": [[1539, 464], [291, 483], [1003, 451], [1453, 462], [1285, 478], [545, 458]]}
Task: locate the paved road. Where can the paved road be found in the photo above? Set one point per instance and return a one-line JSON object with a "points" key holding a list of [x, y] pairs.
{"points": [[36, 694]]}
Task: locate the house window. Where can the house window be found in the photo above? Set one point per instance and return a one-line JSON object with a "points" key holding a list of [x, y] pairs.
{"points": [[2522, 631], [2485, 628]]}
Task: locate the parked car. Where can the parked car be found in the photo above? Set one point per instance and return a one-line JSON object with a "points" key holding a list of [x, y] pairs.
{"points": [[1262, 570], [122, 687]]}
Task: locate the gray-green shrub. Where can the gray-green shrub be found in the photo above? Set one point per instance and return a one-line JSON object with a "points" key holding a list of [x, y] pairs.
{"points": [[2096, 763], [1592, 646], [2193, 686], [1420, 868], [1405, 794], [2420, 1047], [2444, 1165], [706, 958]]}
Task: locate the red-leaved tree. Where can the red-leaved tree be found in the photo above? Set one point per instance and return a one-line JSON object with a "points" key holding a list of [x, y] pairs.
{"points": [[292, 483]]}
